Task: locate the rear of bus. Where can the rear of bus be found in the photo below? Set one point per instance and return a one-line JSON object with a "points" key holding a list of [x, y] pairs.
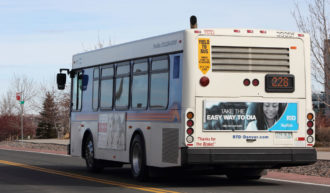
{"points": [[247, 99]]}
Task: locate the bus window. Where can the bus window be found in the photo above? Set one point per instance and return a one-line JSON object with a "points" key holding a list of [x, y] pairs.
{"points": [[140, 84], [79, 97], [96, 89], [122, 85], [106, 87], [176, 67], [77, 91], [159, 83], [74, 92]]}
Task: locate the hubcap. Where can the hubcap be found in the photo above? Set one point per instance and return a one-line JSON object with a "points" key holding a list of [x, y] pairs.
{"points": [[90, 153], [136, 159]]}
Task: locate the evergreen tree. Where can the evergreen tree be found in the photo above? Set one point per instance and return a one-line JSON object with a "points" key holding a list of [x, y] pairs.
{"points": [[48, 118]]}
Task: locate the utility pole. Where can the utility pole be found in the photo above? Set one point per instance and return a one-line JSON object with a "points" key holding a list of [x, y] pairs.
{"points": [[19, 97], [22, 118]]}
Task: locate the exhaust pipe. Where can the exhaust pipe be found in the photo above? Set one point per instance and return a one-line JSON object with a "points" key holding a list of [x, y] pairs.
{"points": [[193, 22]]}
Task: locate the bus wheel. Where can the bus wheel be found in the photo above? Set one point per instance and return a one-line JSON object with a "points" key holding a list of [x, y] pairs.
{"points": [[139, 168], [92, 164]]}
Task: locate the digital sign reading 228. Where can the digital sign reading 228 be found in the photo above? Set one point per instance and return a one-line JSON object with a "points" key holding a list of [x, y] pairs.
{"points": [[279, 83]]}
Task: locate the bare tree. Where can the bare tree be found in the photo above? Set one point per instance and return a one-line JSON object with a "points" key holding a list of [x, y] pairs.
{"points": [[100, 44], [28, 89], [316, 23], [8, 104]]}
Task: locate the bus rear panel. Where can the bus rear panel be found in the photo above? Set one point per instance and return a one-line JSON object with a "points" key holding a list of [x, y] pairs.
{"points": [[252, 97]]}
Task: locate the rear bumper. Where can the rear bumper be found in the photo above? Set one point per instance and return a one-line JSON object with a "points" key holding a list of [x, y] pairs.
{"points": [[251, 157]]}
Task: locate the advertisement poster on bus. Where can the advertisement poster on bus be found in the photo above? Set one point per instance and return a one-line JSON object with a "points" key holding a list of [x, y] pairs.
{"points": [[112, 131], [250, 116]]}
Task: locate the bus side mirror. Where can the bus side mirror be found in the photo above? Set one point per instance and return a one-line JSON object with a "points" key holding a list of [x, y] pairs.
{"points": [[61, 79]]}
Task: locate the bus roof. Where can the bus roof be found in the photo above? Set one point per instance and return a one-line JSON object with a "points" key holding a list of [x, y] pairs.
{"points": [[167, 43]]}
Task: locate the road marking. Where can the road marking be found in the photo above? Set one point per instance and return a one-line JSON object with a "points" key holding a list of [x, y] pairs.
{"points": [[87, 178], [296, 182]]}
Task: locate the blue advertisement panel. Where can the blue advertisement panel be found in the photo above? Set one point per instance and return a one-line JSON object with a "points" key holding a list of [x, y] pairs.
{"points": [[250, 116]]}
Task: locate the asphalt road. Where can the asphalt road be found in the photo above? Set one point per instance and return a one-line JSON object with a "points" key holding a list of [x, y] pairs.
{"points": [[38, 173]]}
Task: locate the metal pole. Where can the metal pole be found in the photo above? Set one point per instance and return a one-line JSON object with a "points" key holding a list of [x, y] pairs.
{"points": [[22, 117]]}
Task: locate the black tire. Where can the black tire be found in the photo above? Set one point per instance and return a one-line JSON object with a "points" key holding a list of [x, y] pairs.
{"points": [[139, 169], [92, 164]]}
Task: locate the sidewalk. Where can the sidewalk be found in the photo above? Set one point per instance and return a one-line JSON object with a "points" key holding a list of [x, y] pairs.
{"points": [[323, 155], [297, 178], [52, 146], [48, 141]]}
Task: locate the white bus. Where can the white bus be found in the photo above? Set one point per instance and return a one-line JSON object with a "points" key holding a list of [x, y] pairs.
{"points": [[237, 100]]}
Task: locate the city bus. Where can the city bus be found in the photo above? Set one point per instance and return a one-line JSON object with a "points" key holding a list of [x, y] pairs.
{"points": [[235, 100]]}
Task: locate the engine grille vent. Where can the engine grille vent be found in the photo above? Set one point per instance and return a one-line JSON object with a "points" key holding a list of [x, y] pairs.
{"points": [[250, 59], [170, 145]]}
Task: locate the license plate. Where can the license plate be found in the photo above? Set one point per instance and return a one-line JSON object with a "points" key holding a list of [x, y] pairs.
{"points": [[283, 135]]}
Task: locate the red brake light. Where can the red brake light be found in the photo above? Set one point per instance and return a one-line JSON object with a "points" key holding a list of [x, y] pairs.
{"points": [[190, 123], [204, 81], [263, 31], [246, 82], [249, 31], [190, 131], [255, 82], [310, 123], [310, 131], [237, 31], [300, 35]]}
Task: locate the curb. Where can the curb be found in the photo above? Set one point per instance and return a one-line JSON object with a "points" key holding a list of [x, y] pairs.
{"points": [[7, 147], [297, 178]]}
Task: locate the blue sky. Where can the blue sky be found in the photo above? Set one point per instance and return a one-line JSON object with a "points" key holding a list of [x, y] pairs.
{"points": [[37, 37]]}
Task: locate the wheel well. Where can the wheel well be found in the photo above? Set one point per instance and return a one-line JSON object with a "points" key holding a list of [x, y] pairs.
{"points": [[86, 134], [137, 132]]}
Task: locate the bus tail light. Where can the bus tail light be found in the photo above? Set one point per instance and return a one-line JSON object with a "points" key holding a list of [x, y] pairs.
{"points": [[310, 123], [249, 31], [204, 81], [246, 82], [255, 82], [310, 139], [310, 131], [190, 115], [190, 139], [190, 123], [190, 131], [310, 116]]}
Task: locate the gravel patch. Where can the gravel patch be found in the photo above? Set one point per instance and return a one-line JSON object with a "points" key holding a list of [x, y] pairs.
{"points": [[320, 168]]}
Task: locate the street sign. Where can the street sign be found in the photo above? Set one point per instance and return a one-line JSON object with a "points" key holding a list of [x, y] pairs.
{"points": [[21, 102], [18, 96]]}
